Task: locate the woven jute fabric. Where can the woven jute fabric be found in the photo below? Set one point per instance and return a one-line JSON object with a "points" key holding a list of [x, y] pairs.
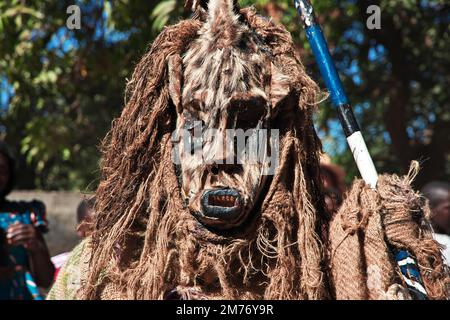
{"points": [[112, 291], [361, 265], [405, 215], [369, 227]]}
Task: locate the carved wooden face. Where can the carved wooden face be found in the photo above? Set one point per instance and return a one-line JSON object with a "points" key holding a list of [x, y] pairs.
{"points": [[226, 92]]}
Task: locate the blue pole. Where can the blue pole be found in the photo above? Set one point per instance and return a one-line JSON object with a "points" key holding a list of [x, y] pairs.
{"points": [[405, 261]]}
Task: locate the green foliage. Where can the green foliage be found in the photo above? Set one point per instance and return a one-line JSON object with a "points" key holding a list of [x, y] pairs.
{"points": [[69, 85], [161, 14]]}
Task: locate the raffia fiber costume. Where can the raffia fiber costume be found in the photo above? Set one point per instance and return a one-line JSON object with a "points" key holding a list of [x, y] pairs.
{"points": [[146, 243]]}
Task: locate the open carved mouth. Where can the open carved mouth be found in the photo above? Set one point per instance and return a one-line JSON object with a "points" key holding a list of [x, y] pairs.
{"points": [[221, 206], [223, 201]]}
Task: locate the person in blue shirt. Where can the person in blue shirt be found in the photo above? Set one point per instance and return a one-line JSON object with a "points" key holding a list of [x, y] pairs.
{"points": [[24, 258]]}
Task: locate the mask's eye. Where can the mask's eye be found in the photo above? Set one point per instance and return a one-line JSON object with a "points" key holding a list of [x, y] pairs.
{"points": [[194, 130], [246, 123], [249, 113]]}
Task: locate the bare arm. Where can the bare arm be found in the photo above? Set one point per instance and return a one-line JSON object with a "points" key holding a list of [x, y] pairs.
{"points": [[41, 266]]}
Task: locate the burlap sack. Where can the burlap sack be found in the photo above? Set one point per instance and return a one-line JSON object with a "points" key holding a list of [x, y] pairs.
{"points": [[361, 264], [369, 227]]}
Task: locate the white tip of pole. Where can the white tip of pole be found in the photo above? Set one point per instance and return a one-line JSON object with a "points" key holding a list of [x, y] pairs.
{"points": [[363, 159]]}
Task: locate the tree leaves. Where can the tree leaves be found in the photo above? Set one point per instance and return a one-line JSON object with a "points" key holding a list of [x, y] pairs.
{"points": [[162, 13]]}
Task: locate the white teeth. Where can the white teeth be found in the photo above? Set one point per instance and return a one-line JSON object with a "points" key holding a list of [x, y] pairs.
{"points": [[223, 201]]}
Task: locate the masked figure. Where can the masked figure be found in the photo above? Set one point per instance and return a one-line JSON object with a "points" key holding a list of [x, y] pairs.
{"points": [[211, 186]]}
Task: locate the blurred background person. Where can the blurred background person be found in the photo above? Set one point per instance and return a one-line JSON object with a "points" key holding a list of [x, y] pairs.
{"points": [[333, 183], [24, 258], [438, 195], [85, 212]]}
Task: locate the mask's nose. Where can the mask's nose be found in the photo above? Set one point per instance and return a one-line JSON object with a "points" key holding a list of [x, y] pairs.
{"points": [[222, 204]]}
